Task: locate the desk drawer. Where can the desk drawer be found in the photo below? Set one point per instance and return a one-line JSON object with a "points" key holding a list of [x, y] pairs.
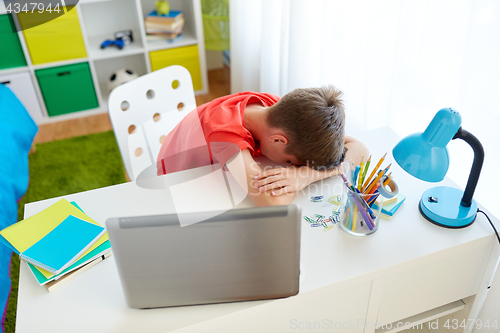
{"points": [[433, 284]]}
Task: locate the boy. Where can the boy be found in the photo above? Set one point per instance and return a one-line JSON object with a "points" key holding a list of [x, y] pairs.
{"points": [[305, 128]]}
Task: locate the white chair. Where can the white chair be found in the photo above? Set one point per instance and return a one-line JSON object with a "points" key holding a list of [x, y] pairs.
{"points": [[144, 111]]}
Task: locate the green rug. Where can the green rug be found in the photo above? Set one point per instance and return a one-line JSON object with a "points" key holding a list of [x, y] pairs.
{"points": [[64, 167]]}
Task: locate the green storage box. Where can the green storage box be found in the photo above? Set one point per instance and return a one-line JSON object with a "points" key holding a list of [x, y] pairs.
{"points": [[215, 15], [11, 52], [67, 88]]}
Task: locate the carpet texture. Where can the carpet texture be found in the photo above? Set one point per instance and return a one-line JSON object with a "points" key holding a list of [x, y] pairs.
{"points": [[63, 167]]}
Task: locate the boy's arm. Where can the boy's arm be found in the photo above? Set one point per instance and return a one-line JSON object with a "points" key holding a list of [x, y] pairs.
{"points": [[243, 168], [279, 181], [356, 150]]}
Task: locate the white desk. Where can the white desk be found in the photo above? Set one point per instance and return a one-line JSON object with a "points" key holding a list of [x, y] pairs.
{"points": [[409, 266]]}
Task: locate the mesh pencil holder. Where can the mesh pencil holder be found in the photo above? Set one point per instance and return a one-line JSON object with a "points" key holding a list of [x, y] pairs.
{"points": [[357, 218]]}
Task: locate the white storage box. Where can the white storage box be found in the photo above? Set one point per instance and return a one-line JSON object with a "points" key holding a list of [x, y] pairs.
{"points": [[22, 86]]}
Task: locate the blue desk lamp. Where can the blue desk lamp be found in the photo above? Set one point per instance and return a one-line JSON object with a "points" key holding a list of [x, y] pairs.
{"points": [[425, 156]]}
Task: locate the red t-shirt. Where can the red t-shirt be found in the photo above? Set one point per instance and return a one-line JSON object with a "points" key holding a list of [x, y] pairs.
{"points": [[211, 133]]}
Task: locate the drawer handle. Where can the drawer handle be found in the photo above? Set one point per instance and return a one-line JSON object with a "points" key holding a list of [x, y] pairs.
{"points": [[63, 73], [5, 82]]}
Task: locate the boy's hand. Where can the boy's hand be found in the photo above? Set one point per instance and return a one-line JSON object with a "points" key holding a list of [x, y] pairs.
{"points": [[279, 181]]}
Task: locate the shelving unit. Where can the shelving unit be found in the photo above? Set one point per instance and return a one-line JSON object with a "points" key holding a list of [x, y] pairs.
{"points": [[94, 21]]}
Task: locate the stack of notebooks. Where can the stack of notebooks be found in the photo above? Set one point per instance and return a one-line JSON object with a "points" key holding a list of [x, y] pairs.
{"points": [[164, 27], [58, 243], [390, 206]]}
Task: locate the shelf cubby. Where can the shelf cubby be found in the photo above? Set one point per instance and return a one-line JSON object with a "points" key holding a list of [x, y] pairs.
{"points": [[102, 19], [188, 38], [186, 7], [106, 67]]}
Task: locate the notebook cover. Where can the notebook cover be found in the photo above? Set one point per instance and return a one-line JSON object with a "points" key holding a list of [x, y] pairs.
{"points": [[171, 14], [97, 252], [48, 275], [24, 234], [63, 245]]}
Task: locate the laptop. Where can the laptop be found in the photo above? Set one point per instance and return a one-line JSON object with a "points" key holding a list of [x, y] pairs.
{"points": [[238, 255]]}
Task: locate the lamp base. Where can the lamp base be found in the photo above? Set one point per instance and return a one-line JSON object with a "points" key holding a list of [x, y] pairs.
{"points": [[441, 206]]}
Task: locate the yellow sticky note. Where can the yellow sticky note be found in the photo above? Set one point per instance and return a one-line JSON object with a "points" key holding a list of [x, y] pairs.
{"points": [[385, 201]]}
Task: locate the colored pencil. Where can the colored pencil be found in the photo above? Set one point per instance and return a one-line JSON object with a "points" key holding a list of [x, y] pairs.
{"points": [[365, 204], [388, 180], [370, 184], [355, 175], [367, 181], [374, 186], [367, 165], [361, 168], [357, 193], [374, 198], [354, 218], [362, 211], [346, 216]]}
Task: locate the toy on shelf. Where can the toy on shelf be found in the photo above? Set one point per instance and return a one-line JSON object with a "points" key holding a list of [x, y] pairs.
{"points": [[121, 76], [120, 44], [125, 35], [122, 38], [162, 7]]}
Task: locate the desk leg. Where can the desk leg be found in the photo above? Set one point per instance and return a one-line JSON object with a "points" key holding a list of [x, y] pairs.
{"points": [[488, 276]]}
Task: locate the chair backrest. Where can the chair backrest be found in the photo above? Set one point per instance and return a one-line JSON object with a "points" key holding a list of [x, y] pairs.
{"points": [[145, 110]]}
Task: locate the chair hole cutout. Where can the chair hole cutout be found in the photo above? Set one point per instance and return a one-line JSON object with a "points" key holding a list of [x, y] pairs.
{"points": [[156, 117], [175, 84], [131, 129], [125, 105], [150, 94], [180, 106], [162, 138], [138, 152]]}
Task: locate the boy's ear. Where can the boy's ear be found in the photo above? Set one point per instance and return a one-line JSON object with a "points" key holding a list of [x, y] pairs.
{"points": [[278, 138]]}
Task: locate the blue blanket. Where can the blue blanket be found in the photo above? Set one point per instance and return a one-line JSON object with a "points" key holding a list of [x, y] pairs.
{"points": [[17, 131]]}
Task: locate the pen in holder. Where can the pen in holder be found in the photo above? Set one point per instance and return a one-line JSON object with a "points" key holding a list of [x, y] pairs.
{"points": [[357, 217]]}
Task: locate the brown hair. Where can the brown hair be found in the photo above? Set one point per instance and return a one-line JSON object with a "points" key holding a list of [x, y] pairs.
{"points": [[313, 119]]}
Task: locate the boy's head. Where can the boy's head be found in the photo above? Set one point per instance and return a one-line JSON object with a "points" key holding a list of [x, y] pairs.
{"points": [[312, 121]]}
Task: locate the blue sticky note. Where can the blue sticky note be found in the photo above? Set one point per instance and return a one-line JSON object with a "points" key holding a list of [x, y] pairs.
{"points": [[63, 245]]}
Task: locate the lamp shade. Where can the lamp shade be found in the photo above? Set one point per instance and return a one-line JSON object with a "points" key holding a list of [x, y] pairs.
{"points": [[424, 155]]}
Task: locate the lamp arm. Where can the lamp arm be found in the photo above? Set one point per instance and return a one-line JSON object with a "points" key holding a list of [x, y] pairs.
{"points": [[477, 164]]}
